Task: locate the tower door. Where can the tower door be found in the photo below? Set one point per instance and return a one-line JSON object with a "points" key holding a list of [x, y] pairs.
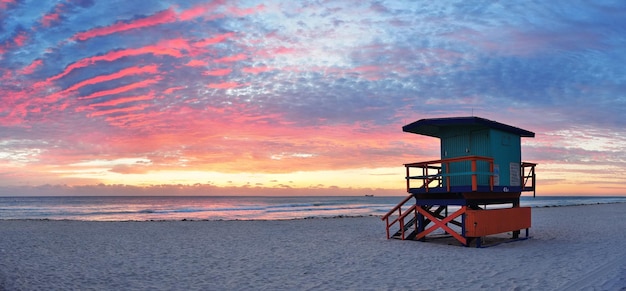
{"points": [[481, 146], [454, 147]]}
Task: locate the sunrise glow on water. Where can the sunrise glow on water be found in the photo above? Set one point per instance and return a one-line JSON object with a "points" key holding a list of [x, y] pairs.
{"points": [[226, 208]]}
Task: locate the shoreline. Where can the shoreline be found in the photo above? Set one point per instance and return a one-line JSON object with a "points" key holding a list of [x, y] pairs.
{"points": [[578, 246], [278, 219]]}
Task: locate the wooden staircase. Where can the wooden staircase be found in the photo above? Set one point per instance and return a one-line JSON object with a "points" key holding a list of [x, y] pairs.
{"points": [[404, 220], [407, 222], [406, 230]]}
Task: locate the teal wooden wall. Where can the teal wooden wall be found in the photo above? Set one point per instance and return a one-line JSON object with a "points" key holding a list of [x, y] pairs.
{"points": [[503, 147], [507, 157]]}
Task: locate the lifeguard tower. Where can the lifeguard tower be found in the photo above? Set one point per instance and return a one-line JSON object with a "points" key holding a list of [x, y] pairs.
{"points": [[479, 179]]}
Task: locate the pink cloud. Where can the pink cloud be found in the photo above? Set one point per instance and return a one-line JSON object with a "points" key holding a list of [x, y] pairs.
{"points": [[125, 120], [371, 73], [238, 57], [219, 72], [199, 10], [213, 40], [32, 67], [171, 90], [256, 70], [117, 101], [48, 19], [364, 69], [224, 85], [4, 4], [119, 110], [196, 63], [20, 39], [178, 43], [12, 107], [165, 16], [236, 11], [271, 52], [166, 47], [151, 69], [126, 88], [283, 50]]}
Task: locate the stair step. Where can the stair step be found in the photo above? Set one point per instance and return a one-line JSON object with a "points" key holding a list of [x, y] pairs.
{"points": [[407, 235]]}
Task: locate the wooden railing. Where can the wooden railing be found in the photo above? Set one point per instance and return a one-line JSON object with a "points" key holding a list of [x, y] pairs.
{"points": [[528, 176], [400, 216], [427, 177]]}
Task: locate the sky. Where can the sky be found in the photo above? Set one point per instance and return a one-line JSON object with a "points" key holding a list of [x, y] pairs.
{"points": [[301, 97]]}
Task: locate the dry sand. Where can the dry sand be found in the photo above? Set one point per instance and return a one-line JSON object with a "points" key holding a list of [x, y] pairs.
{"points": [[572, 248]]}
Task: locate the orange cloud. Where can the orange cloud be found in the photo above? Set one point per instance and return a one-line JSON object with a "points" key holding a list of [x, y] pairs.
{"points": [[130, 169], [165, 16]]}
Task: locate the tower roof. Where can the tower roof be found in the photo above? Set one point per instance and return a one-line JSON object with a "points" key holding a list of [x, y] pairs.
{"points": [[433, 126]]}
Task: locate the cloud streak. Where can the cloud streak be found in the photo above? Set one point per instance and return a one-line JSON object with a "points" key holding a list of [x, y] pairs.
{"points": [[162, 17]]}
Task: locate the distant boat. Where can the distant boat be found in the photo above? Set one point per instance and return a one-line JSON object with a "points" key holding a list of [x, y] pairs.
{"points": [[369, 195]]}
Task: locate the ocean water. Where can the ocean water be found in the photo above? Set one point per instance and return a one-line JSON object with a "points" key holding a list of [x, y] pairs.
{"points": [[113, 208]]}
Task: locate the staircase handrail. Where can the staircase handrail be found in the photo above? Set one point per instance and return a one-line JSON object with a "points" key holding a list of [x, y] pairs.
{"points": [[406, 212], [400, 217], [401, 220], [398, 206]]}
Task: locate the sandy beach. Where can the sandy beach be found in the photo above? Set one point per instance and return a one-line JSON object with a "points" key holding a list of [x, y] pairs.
{"points": [[572, 248]]}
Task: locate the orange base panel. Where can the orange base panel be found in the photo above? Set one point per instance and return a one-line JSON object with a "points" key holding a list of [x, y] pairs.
{"points": [[487, 222]]}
